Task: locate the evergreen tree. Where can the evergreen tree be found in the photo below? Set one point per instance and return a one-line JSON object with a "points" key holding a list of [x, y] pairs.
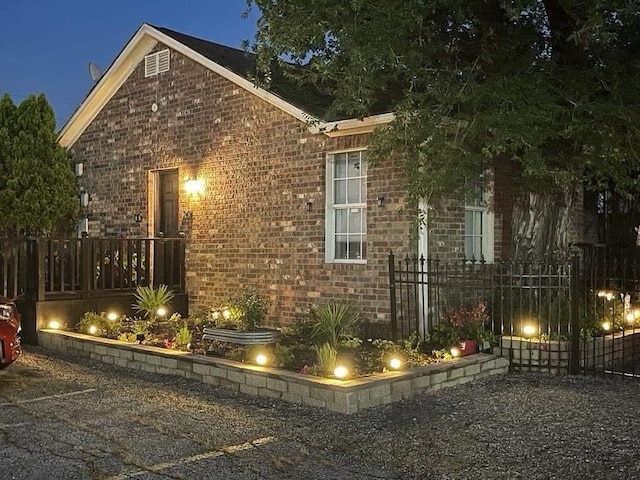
{"points": [[37, 189]]}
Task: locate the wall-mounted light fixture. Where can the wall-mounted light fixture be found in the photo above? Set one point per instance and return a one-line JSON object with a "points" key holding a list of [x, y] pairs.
{"points": [[137, 217], [381, 201], [194, 186], [308, 205], [84, 199], [79, 169]]}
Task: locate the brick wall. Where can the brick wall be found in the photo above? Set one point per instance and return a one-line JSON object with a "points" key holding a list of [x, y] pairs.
{"points": [[260, 166]]}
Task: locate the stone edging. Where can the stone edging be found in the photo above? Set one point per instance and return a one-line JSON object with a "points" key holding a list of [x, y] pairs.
{"points": [[348, 396]]}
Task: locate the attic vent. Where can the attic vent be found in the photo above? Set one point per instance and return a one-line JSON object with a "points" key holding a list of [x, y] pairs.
{"points": [[156, 63]]}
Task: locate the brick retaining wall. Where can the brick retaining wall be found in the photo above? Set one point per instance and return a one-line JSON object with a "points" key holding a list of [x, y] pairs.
{"points": [[348, 396]]}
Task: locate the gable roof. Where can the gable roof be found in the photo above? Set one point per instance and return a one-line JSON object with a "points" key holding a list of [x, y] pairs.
{"points": [[233, 64]]}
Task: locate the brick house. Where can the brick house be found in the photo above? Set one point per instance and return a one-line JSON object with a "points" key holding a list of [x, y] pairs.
{"points": [[284, 200]]}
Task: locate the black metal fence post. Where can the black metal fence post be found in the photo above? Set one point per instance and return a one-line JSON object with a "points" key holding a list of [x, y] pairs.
{"points": [[392, 297], [574, 362]]}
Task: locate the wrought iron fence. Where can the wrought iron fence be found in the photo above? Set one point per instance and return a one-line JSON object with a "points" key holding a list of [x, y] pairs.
{"points": [[578, 315]]}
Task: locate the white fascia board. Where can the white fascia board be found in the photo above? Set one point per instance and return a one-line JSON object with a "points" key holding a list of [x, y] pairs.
{"points": [[139, 45], [352, 126]]}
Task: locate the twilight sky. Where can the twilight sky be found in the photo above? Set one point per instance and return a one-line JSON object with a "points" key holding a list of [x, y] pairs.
{"points": [[46, 45]]}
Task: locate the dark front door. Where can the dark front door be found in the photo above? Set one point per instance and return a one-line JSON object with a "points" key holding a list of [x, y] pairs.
{"points": [[169, 262], [167, 214]]}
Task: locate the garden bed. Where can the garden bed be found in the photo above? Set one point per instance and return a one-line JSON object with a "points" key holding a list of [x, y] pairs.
{"points": [[343, 396]]}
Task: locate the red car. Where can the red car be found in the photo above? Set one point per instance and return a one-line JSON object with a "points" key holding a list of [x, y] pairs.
{"points": [[10, 348]]}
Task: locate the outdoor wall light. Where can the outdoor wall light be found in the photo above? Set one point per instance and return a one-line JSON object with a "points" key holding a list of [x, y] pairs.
{"points": [[84, 199], [381, 201], [79, 169], [308, 205], [340, 372], [194, 187]]}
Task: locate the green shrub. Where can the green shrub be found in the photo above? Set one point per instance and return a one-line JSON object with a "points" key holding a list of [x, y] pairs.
{"points": [[326, 356], [150, 299], [333, 323], [245, 312], [99, 325]]}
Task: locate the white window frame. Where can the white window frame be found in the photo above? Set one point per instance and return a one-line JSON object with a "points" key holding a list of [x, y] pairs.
{"points": [[487, 222], [331, 208], [156, 63]]}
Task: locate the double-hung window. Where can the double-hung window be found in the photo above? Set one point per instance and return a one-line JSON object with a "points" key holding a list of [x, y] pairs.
{"points": [[346, 217], [478, 224]]}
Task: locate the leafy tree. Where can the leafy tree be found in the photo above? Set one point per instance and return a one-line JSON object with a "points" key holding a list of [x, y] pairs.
{"points": [[547, 89], [37, 186]]}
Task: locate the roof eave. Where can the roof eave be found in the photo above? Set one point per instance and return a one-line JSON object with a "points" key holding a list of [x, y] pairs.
{"points": [[352, 126]]}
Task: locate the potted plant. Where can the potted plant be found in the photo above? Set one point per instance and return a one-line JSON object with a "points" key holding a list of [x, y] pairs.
{"points": [[464, 328], [238, 321]]}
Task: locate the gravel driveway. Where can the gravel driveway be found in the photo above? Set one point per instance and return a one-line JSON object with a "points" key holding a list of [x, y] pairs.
{"points": [[71, 418]]}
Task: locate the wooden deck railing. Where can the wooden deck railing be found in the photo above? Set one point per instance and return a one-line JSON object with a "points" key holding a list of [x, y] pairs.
{"points": [[45, 268]]}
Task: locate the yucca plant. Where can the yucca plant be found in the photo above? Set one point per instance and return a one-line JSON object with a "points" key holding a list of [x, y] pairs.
{"points": [[149, 299], [334, 322], [326, 356]]}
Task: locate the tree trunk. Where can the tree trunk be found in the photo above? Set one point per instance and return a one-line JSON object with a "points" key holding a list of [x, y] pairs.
{"points": [[540, 224]]}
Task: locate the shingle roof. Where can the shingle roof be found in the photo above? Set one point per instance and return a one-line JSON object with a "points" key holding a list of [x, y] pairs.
{"points": [[306, 97]]}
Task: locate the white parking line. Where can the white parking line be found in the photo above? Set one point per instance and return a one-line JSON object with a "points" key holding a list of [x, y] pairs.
{"points": [[196, 458], [12, 425], [48, 397]]}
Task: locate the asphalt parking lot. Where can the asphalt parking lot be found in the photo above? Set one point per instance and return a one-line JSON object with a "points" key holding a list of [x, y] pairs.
{"points": [[71, 418]]}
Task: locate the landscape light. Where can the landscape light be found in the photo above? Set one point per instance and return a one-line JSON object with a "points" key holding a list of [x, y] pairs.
{"points": [[395, 363], [54, 324], [455, 352], [606, 326], [630, 317], [261, 359], [341, 372], [162, 311], [529, 330], [112, 316], [93, 329], [606, 295], [226, 314]]}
